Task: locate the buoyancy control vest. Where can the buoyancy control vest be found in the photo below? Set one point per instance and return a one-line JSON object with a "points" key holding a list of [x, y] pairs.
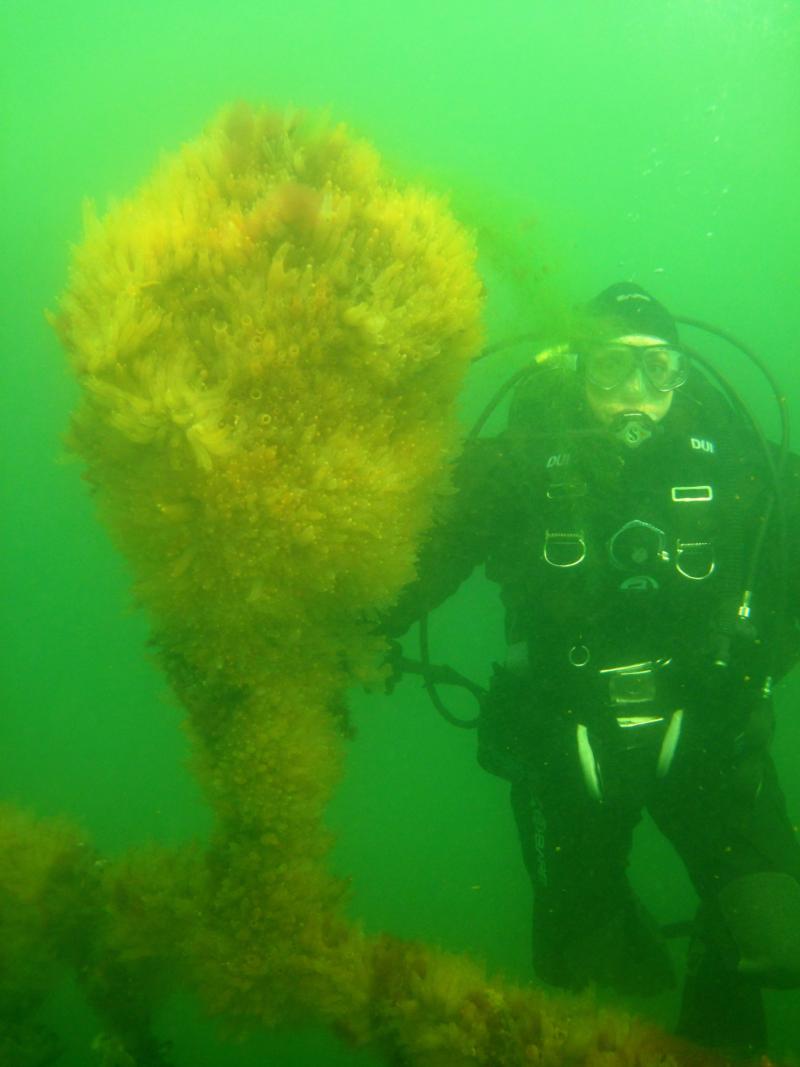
{"points": [[621, 568], [681, 560]]}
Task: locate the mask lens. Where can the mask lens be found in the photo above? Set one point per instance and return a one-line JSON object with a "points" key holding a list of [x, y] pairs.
{"points": [[665, 367], [607, 366]]}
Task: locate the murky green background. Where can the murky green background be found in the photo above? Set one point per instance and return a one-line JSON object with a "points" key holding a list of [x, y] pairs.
{"points": [[598, 140]]}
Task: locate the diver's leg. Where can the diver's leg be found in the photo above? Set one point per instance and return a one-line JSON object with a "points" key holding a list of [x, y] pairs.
{"points": [[718, 1006], [722, 808], [587, 925]]}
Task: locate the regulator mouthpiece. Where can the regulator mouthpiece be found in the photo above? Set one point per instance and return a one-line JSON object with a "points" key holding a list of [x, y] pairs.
{"points": [[632, 428]]}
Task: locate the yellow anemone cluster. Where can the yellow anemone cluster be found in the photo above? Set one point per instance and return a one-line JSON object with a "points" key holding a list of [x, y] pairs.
{"points": [[40, 916], [270, 336]]}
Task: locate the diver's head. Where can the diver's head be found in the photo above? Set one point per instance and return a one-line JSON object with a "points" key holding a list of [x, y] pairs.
{"points": [[630, 361]]}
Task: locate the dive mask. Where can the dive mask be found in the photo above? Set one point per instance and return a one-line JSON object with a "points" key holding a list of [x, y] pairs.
{"points": [[608, 365]]}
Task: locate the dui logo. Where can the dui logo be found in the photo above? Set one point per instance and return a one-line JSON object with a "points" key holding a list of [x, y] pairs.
{"points": [[702, 444], [560, 459]]}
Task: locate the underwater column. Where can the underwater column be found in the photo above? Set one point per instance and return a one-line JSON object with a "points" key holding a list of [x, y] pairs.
{"points": [[270, 337]]}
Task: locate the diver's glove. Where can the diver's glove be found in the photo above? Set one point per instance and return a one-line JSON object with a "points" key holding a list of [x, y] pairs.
{"points": [[393, 664]]}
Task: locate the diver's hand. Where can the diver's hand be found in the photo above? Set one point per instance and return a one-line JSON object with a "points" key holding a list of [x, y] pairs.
{"points": [[393, 665]]}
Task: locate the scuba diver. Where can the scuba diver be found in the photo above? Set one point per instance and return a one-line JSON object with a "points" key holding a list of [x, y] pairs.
{"points": [[636, 522]]}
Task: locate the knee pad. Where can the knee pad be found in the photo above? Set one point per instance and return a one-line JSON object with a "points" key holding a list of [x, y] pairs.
{"points": [[762, 914]]}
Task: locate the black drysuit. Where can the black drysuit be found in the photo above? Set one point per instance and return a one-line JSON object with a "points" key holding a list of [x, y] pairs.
{"points": [[632, 681]]}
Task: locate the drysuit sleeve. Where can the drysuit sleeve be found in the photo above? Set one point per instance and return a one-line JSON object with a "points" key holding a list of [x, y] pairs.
{"points": [[786, 579], [458, 540], [792, 505]]}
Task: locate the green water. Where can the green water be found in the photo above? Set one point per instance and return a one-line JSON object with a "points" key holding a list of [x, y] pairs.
{"points": [[589, 141]]}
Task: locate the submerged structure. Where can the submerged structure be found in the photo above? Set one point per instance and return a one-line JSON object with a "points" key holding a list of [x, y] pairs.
{"points": [[270, 337]]}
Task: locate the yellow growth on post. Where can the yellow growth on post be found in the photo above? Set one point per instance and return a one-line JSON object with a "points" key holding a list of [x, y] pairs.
{"points": [[270, 337]]}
